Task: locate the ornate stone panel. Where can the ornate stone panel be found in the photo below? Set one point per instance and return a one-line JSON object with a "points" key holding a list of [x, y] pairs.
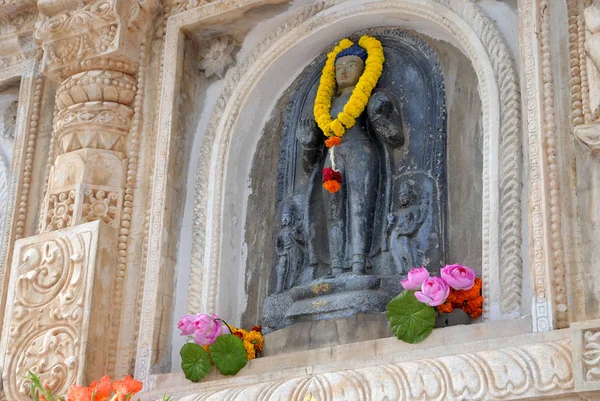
{"points": [[586, 355], [57, 312]]}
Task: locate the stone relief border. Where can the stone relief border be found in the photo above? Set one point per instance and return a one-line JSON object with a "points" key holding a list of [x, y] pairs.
{"points": [[119, 361], [559, 268], [159, 45], [535, 369], [499, 88], [580, 108], [26, 130], [547, 252]]}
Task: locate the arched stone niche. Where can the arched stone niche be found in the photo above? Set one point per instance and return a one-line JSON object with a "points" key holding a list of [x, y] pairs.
{"points": [[219, 272], [461, 115]]}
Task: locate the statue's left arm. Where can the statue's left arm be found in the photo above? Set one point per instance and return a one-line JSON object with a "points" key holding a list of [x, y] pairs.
{"points": [[386, 118]]}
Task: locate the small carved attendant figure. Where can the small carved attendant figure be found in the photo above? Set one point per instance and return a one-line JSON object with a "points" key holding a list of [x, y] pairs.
{"points": [[403, 226], [290, 249]]}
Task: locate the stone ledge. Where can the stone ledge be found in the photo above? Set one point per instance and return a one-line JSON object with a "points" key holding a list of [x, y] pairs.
{"points": [[501, 360]]}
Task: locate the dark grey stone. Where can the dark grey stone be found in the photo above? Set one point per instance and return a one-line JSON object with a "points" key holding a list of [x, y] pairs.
{"points": [[315, 334], [454, 318]]}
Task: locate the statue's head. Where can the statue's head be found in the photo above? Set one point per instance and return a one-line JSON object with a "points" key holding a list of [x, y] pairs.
{"points": [[405, 194], [286, 219], [349, 66]]}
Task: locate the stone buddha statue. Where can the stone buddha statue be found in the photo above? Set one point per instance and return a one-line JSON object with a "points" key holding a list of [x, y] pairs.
{"points": [[350, 213], [362, 170]]}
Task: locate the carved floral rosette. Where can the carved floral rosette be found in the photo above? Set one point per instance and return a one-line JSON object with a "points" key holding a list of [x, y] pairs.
{"points": [[82, 204]]}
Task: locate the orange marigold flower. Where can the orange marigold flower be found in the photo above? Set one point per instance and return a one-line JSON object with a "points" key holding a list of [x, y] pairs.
{"points": [[241, 333], [127, 386], [445, 307], [250, 351], [451, 297], [333, 141], [254, 337], [79, 393], [257, 328], [476, 303], [476, 313], [459, 297], [332, 186], [101, 389], [475, 291]]}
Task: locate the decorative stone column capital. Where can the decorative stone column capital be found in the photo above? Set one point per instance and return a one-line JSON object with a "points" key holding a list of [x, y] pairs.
{"points": [[100, 34]]}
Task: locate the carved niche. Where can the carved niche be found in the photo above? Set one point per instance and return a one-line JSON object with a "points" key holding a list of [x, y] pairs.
{"points": [[409, 219]]}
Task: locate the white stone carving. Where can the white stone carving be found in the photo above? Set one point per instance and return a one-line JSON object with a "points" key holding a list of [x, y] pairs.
{"points": [[4, 193], [61, 210], [10, 120], [216, 57], [548, 190], [591, 354], [585, 338], [60, 284], [520, 372]]}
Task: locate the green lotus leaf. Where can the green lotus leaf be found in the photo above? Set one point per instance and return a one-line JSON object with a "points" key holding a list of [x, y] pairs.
{"points": [[195, 362], [412, 321], [228, 354]]}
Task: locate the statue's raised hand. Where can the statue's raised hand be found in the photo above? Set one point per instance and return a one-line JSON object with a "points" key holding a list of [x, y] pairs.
{"points": [[307, 133]]}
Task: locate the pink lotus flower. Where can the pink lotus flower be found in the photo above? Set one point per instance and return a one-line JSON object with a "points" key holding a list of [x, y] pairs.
{"points": [[208, 328], [458, 277], [434, 291], [415, 278], [186, 325]]}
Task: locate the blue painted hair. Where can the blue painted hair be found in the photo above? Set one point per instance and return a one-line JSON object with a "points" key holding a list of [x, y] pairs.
{"points": [[354, 50]]}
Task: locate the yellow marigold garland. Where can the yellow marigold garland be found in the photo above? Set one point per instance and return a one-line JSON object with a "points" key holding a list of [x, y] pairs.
{"points": [[360, 95]]}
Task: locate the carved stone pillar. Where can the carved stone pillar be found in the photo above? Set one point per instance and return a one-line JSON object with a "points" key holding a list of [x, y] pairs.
{"points": [[96, 50], [87, 180]]}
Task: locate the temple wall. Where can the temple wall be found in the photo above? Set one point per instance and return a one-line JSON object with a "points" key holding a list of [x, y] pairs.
{"points": [[151, 166]]}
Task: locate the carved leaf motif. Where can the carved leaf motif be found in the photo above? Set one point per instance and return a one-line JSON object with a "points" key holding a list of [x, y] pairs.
{"points": [[49, 354], [43, 275]]}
